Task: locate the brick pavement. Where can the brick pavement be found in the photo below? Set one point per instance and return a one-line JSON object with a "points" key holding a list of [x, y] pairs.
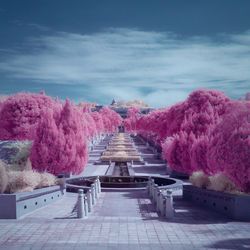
{"points": [[123, 220]]}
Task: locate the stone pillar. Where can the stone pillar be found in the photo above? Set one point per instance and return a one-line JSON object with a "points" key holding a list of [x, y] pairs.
{"points": [[99, 185], [80, 204], [86, 210], [162, 204], [169, 205], [152, 187], [93, 193], [158, 202], [89, 200], [96, 189], [155, 193], [148, 185]]}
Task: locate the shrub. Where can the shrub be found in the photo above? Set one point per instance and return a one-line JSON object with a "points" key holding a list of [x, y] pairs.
{"points": [[199, 179], [229, 149], [26, 181], [23, 181], [60, 147], [46, 180], [220, 182], [21, 113]]}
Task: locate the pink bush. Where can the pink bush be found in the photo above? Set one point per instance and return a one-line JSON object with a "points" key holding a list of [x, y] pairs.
{"points": [[111, 119], [176, 150], [229, 149], [194, 121], [89, 125], [199, 154], [130, 122], [60, 147], [21, 113]]}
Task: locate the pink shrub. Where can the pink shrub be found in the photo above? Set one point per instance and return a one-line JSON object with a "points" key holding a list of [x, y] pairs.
{"points": [[229, 149], [176, 150], [199, 154], [111, 119], [130, 122], [89, 125], [98, 122], [194, 121], [21, 113], [60, 147]]}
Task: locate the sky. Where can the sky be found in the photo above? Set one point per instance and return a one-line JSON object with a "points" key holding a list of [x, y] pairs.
{"points": [[153, 50]]}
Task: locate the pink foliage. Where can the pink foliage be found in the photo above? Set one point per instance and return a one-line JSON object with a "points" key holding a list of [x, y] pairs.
{"points": [[199, 154], [21, 113], [97, 117], [130, 123], [229, 150], [90, 126], [60, 147], [111, 119], [176, 150]]}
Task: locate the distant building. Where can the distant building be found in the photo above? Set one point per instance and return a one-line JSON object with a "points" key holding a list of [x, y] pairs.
{"points": [[122, 107]]}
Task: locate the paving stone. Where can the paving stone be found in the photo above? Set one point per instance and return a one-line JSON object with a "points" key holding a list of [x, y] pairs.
{"points": [[123, 220]]}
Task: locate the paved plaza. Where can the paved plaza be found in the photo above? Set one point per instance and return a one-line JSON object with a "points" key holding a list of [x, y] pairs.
{"points": [[123, 220]]}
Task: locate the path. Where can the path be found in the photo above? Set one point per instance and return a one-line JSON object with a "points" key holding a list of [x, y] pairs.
{"points": [[125, 204], [123, 220]]}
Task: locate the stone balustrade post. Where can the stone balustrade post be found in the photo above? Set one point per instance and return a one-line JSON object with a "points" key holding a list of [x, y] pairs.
{"points": [[148, 185], [89, 200], [99, 184], [93, 193], [80, 204], [158, 202], [86, 210], [152, 187], [155, 193], [162, 204], [96, 188], [169, 205]]}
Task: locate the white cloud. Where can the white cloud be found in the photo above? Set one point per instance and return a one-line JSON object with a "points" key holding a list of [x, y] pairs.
{"points": [[121, 62]]}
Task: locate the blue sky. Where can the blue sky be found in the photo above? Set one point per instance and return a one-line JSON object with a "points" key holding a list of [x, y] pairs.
{"points": [[155, 50]]}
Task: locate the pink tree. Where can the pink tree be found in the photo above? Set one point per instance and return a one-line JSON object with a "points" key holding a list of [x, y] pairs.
{"points": [[229, 149], [111, 119], [176, 151], [97, 117], [21, 113], [130, 122], [60, 147], [90, 125], [199, 115]]}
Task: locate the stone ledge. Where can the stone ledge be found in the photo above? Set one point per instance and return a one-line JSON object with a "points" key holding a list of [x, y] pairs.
{"points": [[233, 206], [13, 206]]}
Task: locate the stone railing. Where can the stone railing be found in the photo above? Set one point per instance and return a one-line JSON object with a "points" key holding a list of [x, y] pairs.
{"points": [[162, 197]]}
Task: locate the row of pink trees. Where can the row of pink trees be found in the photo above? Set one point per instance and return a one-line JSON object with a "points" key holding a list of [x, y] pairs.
{"points": [[60, 131], [208, 132]]}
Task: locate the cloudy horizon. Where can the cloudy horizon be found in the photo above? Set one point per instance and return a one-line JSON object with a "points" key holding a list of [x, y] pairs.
{"points": [[160, 67]]}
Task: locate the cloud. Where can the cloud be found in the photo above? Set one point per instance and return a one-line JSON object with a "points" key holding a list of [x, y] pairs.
{"points": [[122, 63]]}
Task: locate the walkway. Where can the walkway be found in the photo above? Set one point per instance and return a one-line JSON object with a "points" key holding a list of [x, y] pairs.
{"points": [[123, 220]]}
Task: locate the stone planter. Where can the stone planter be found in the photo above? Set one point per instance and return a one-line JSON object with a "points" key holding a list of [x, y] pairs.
{"points": [[13, 206], [178, 175], [234, 206]]}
